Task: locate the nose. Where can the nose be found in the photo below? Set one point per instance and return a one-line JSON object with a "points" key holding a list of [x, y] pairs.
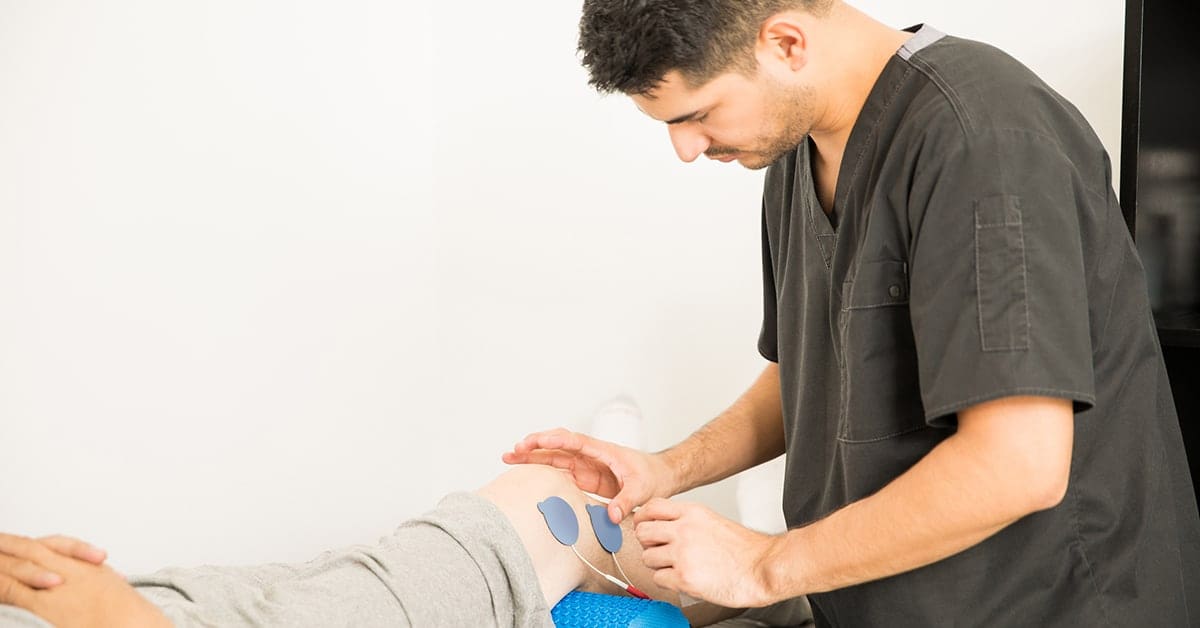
{"points": [[688, 141]]}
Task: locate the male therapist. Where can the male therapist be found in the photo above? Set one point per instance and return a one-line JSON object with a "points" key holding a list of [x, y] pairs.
{"points": [[964, 370]]}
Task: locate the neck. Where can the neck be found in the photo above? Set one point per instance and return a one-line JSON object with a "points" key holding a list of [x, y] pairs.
{"points": [[858, 47]]}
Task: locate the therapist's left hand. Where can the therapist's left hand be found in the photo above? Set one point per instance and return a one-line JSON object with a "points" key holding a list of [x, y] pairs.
{"points": [[695, 551]]}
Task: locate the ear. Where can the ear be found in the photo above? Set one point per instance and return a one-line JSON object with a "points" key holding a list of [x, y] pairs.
{"points": [[783, 40]]}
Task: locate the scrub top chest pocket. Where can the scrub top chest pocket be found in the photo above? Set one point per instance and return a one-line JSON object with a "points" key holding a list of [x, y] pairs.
{"points": [[880, 388]]}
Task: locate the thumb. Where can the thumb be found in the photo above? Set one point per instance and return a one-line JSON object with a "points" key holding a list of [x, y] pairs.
{"points": [[616, 511], [634, 491], [622, 505]]}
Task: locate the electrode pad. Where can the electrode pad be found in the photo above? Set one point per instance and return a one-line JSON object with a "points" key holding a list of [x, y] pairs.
{"points": [[560, 518], [608, 532]]}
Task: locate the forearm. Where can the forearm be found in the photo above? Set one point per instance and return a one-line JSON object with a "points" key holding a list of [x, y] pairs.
{"points": [[931, 512], [747, 434]]}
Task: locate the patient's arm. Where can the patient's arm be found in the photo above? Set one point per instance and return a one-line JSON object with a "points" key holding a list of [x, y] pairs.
{"points": [[89, 595], [517, 493]]}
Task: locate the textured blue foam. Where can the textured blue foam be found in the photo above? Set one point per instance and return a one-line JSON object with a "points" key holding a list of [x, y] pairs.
{"points": [[597, 610]]}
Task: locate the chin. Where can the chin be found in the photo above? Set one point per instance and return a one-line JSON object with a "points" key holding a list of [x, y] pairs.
{"points": [[760, 160], [756, 162]]}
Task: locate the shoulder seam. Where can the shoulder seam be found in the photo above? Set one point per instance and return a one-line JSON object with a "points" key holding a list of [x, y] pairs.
{"points": [[960, 111]]}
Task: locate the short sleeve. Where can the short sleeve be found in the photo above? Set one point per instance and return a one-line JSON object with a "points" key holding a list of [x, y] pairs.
{"points": [[997, 282], [768, 344]]}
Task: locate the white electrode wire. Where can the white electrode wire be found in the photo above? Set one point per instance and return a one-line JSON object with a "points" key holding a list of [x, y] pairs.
{"points": [[614, 555], [602, 500], [606, 576]]}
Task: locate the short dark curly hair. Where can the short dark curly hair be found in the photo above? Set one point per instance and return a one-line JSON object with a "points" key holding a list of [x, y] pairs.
{"points": [[628, 46]]}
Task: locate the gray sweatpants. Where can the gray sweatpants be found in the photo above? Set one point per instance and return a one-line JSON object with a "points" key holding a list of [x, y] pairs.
{"points": [[461, 564]]}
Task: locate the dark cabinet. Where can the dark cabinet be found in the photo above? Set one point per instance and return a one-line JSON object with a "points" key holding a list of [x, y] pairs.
{"points": [[1160, 185]]}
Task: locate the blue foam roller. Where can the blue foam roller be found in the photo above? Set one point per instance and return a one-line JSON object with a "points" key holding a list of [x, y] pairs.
{"points": [[597, 610]]}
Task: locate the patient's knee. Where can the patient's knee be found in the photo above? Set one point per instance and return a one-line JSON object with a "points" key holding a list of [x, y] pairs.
{"points": [[523, 483], [516, 493]]}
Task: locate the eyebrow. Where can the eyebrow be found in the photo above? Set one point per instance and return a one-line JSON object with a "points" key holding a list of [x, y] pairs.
{"points": [[678, 120], [683, 118]]}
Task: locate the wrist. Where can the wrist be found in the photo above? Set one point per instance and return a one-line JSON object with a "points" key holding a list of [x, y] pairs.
{"points": [[671, 472], [781, 568]]}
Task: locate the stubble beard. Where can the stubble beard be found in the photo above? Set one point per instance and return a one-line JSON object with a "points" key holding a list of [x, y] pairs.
{"points": [[789, 121]]}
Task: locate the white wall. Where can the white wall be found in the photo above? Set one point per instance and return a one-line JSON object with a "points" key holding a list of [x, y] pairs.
{"points": [[276, 275]]}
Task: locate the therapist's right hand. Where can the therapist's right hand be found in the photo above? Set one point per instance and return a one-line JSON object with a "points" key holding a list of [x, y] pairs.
{"points": [[628, 476]]}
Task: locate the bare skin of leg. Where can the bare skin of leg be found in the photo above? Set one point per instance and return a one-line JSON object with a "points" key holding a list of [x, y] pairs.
{"points": [[517, 492]]}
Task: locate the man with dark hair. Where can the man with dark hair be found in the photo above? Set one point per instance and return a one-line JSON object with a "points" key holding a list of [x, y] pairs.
{"points": [[963, 368]]}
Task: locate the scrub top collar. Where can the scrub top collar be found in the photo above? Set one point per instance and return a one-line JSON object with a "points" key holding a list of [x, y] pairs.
{"points": [[894, 74]]}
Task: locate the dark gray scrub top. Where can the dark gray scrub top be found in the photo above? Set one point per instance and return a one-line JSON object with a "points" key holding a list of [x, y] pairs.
{"points": [[977, 251]]}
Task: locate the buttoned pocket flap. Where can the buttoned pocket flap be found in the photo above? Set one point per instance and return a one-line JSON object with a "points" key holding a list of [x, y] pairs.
{"points": [[878, 284]]}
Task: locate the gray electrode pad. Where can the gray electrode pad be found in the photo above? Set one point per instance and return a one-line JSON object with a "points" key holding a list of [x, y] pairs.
{"points": [[608, 532], [561, 520]]}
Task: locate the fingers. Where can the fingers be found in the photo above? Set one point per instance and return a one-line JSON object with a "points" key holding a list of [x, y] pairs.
{"points": [[13, 593], [584, 456], [654, 533], [68, 546], [536, 449], [32, 551], [27, 573], [617, 507], [623, 503], [571, 442], [34, 563], [564, 449], [668, 578], [549, 439], [658, 509], [658, 557], [536, 457], [656, 529]]}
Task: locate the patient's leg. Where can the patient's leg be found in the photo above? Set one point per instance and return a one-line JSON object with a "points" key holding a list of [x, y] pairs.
{"points": [[477, 559], [517, 493], [483, 559], [459, 564]]}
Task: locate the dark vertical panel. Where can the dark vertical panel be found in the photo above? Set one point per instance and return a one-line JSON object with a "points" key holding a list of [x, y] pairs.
{"points": [[1160, 186], [1183, 367], [1131, 112], [1162, 140]]}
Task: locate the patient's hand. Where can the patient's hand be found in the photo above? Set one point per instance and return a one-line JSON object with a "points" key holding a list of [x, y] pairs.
{"points": [[33, 576], [86, 595]]}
